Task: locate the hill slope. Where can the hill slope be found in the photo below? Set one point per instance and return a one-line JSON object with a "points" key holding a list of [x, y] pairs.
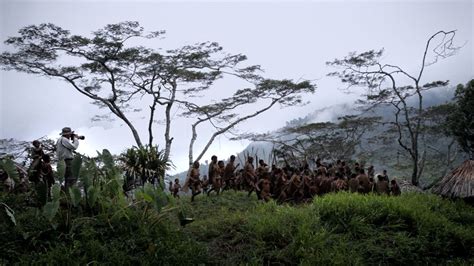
{"points": [[337, 229], [235, 229]]}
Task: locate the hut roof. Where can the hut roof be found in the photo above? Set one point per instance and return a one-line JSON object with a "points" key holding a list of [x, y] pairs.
{"points": [[406, 186], [459, 183]]}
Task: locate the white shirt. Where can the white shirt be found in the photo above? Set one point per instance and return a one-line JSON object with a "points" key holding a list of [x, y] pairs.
{"points": [[65, 147]]}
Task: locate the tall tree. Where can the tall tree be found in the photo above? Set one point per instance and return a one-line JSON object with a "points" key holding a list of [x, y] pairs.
{"points": [[120, 76], [99, 64], [461, 119], [223, 115], [382, 87]]}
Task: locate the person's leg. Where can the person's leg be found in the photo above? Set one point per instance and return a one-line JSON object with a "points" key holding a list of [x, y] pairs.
{"points": [[69, 180]]}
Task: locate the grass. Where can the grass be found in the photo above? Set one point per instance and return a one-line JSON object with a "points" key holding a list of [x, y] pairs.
{"points": [[338, 228], [233, 228]]}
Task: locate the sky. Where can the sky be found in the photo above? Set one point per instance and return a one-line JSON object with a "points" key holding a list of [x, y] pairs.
{"points": [[291, 40]]}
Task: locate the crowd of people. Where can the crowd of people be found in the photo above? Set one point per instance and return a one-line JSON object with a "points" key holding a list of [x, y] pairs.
{"points": [[286, 184], [283, 184]]}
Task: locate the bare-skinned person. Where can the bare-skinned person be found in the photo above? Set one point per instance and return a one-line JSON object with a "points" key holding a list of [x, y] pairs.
{"points": [[382, 186], [265, 184], [47, 173], [211, 171], [37, 153], [217, 171], [176, 188], [229, 173], [250, 175], [364, 182], [395, 189], [194, 182]]}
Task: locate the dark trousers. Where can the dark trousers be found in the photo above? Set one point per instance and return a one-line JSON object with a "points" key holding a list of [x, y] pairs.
{"points": [[68, 178]]}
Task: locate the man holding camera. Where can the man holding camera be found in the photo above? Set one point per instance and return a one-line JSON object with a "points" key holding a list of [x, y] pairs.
{"points": [[64, 148]]}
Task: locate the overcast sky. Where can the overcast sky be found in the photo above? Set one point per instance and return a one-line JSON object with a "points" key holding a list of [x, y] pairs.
{"points": [[288, 39]]}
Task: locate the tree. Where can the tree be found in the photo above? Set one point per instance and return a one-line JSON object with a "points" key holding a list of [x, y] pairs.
{"points": [[441, 146], [461, 119], [119, 76], [328, 140], [366, 70], [223, 117]]}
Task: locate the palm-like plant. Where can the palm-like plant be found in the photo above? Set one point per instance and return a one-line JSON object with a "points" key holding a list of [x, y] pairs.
{"points": [[144, 164]]}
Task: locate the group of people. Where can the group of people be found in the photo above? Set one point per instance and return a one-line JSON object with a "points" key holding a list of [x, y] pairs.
{"points": [[296, 184], [40, 169], [286, 184]]}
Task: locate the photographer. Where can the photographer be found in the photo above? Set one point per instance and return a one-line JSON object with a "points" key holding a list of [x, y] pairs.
{"points": [[64, 148]]}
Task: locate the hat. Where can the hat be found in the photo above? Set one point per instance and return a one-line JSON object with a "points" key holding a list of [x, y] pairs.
{"points": [[65, 131]]}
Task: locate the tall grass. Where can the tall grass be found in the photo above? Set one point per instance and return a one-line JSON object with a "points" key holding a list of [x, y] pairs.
{"points": [[338, 228], [234, 229]]}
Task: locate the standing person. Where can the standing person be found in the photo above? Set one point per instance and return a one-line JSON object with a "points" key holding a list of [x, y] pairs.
{"points": [[250, 176], [371, 172], [382, 186], [364, 182], [395, 189], [212, 170], [64, 148], [37, 153], [47, 173], [175, 188], [214, 176], [385, 176], [229, 175], [194, 181]]}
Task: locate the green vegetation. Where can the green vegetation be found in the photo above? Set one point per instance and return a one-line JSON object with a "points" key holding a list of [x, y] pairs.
{"points": [[233, 228]]}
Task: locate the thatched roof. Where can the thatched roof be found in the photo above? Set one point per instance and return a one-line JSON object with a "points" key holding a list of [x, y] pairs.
{"points": [[459, 183], [406, 186]]}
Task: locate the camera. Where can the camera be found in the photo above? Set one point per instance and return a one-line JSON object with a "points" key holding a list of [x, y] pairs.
{"points": [[77, 136]]}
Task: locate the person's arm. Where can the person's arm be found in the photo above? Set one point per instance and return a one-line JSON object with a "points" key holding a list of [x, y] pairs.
{"points": [[72, 145]]}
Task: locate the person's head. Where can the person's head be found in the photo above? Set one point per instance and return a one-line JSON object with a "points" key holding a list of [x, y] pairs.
{"points": [[214, 158], [196, 164], [266, 175], [67, 132], [176, 180], [232, 158], [36, 143], [384, 171], [221, 164], [46, 158], [250, 159]]}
